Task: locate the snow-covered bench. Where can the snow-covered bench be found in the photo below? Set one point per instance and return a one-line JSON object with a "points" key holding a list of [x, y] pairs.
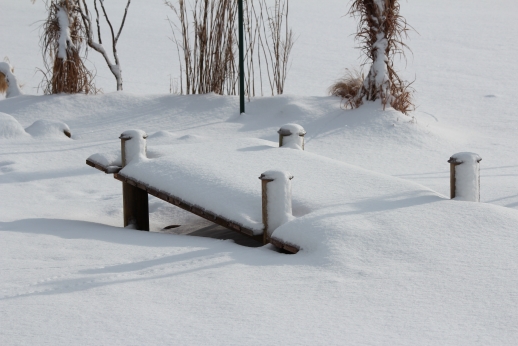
{"points": [[204, 179]]}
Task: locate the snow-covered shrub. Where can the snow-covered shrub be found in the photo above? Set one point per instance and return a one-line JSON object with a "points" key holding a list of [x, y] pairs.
{"points": [[62, 40], [48, 129], [8, 83], [381, 30]]}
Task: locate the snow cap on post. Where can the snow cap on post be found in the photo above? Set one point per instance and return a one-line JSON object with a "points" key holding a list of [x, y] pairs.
{"points": [[276, 200], [292, 136], [12, 84], [133, 145], [465, 176]]}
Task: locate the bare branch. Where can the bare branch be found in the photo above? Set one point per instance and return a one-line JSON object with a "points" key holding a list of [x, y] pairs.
{"points": [[123, 21]]}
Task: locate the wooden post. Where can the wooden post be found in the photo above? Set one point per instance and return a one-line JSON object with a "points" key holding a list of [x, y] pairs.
{"points": [[134, 200], [291, 129], [264, 190], [284, 208], [455, 161]]}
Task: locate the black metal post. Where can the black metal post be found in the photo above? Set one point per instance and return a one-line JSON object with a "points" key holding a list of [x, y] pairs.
{"points": [[241, 60]]}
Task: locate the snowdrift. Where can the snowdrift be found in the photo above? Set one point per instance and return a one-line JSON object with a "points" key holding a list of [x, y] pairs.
{"points": [[10, 127], [48, 129]]}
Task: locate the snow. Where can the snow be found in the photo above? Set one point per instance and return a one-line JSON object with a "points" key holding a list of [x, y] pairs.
{"points": [[64, 41], [467, 176], [379, 66], [386, 259], [107, 159], [48, 128], [13, 87], [10, 127]]}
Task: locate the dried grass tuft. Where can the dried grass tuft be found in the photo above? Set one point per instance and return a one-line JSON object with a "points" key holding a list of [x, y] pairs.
{"points": [[68, 75], [348, 86], [3, 84]]}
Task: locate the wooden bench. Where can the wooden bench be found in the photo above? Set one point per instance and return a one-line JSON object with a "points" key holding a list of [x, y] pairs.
{"points": [[135, 192]]}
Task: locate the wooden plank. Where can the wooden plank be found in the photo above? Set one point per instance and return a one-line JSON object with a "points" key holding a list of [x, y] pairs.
{"points": [[276, 243], [188, 207], [131, 182], [141, 186], [283, 246], [162, 196], [107, 170], [234, 226], [290, 248]]}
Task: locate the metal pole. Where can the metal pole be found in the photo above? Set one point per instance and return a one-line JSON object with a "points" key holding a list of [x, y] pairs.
{"points": [[241, 60]]}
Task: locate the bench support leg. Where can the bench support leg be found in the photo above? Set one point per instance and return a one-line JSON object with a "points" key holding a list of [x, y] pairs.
{"points": [[136, 207]]}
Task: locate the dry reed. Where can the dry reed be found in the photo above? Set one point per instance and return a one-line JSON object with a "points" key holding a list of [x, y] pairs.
{"points": [[381, 30], [64, 75], [3, 84], [348, 86], [207, 48]]}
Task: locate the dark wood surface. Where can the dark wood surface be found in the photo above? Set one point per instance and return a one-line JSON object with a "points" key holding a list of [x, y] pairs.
{"points": [[107, 170], [136, 207], [208, 215]]}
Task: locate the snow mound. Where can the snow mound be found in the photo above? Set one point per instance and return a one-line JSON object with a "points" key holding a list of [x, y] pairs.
{"points": [[192, 138], [162, 134], [48, 129], [10, 127]]}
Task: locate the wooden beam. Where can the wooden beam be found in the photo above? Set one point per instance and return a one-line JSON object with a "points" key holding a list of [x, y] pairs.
{"points": [[197, 210], [107, 170], [284, 246]]}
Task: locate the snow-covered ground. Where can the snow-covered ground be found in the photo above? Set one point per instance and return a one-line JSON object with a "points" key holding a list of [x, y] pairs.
{"points": [[395, 269]]}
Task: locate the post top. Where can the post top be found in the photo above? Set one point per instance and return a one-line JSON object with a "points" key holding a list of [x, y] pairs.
{"points": [[129, 134], [289, 129], [273, 175], [462, 157]]}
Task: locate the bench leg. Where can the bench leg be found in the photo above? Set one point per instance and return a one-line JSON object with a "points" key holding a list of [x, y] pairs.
{"points": [[136, 207]]}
